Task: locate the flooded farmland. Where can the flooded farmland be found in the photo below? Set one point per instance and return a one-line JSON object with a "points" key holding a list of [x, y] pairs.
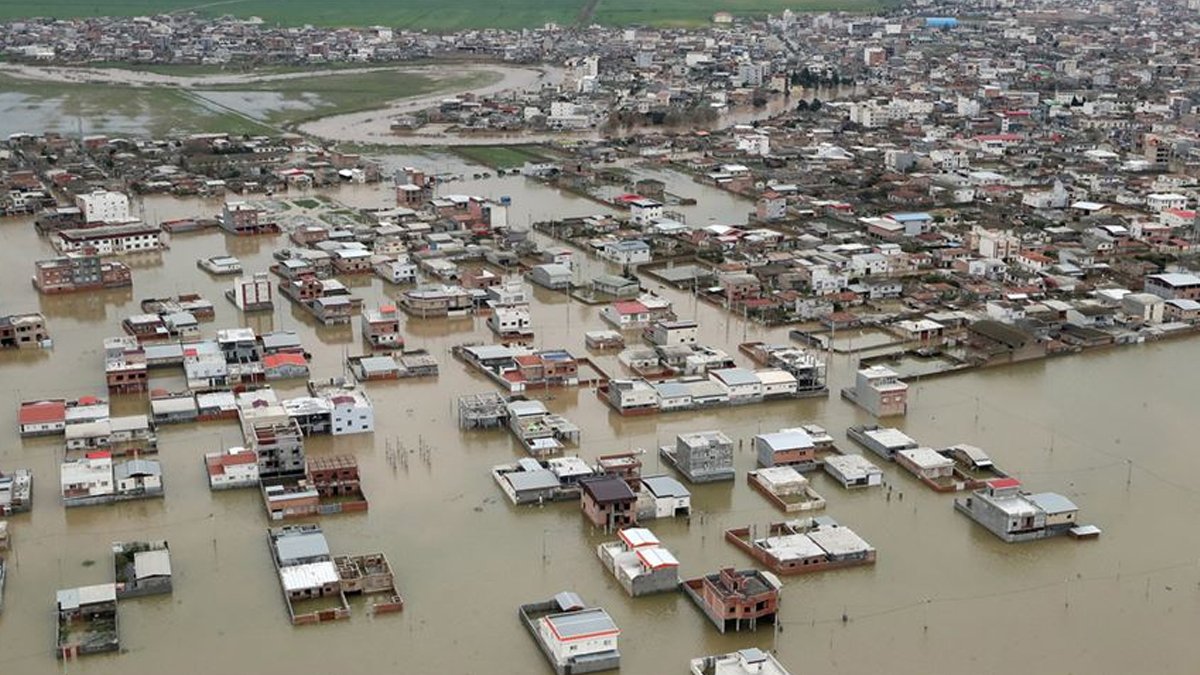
{"points": [[1109, 430]]}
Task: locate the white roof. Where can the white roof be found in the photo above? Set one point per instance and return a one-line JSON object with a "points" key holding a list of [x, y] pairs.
{"points": [[635, 537], [890, 438], [156, 563], [926, 458], [852, 465], [838, 540], [792, 547], [74, 598], [308, 575], [780, 475]]}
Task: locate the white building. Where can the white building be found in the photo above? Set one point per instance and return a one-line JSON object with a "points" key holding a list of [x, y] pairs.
{"points": [[1161, 201], [741, 384], [235, 468], [103, 206], [665, 333], [645, 211], [91, 476], [352, 412], [252, 293], [853, 471], [627, 252], [570, 637], [511, 321]]}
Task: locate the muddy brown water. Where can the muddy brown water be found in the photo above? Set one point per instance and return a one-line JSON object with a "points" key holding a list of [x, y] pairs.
{"points": [[944, 597]]}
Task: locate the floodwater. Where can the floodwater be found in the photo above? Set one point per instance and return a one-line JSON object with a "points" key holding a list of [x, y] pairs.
{"points": [[1111, 430]]}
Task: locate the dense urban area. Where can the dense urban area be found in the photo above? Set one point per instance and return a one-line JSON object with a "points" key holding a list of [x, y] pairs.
{"points": [[801, 342]]}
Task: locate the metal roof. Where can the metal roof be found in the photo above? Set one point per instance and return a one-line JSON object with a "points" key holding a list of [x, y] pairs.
{"points": [[787, 440], [890, 438], [736, 376], [791, 547], [74, 598], [665, 486], [541, 479], [1052, 503], [635, 537], [156, 563], [926, 458], [584, 623], [301, 546]]}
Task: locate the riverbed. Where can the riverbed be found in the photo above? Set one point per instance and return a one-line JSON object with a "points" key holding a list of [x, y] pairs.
{"points": [[1110, 430]]}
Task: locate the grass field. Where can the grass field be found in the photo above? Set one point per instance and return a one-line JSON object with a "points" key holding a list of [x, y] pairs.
{"points": [[445, 15], [499, 156]]}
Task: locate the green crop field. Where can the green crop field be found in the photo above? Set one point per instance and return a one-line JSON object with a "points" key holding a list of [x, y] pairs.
{"points": [[499, 156], [444, 15]]}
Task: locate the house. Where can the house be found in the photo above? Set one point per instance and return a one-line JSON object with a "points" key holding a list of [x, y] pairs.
{"points": [[786, 488], [16, 491], [663, 497], [627, 252], [786, 447], [109, 240], [752, 661], [42, 418], [398, 271], [511, 322], [664, 333], [86, 621], [804, 546], [381, 327], [252, 293], [23, 331], [137, 478], [554, 276], [285, 366], [930, 466], [141, 568], [735, 598], [883, 442], [437, 301], [740, 384], [1186, 311], [236, 467], [88, 480], [608, 502], [1013, 515], [307, 572], [574, 638], [642, 212], [528, 481], [701, 456], [1173, 286], [632, 397], [74, 273], [879, 391], [626, 314], [853, 471], [639, 562], [616, 286]]}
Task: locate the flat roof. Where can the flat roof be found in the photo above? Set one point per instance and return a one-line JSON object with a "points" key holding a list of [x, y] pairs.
{"points": [[300, 546], [665, 486], [890, 438], [308, 575], [839, 540], [926, 458], [787, 439]]}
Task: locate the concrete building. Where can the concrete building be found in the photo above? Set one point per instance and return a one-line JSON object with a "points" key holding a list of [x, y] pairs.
{"points": [[735, 599], [103, 206], [551, 275], [853, 471], [752, 661], [608, 502], [1014, 515], [236, 467], [786, 447], [627, 252], [741, 384], [702, 456], [664, 333], [879, 391], [663, 497], [253, 293]]}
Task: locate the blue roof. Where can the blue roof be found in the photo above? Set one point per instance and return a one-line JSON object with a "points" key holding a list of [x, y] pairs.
{"points": [[632, 245], [905, 217]]}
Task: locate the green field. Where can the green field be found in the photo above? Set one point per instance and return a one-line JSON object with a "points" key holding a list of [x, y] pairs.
{"points": [[499, 156], [445, 15]]}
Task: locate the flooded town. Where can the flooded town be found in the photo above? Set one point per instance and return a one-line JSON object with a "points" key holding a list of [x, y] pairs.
{"points": [[781, 342]]}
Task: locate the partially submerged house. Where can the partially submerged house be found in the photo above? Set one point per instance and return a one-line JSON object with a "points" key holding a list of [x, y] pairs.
{"points": [[576, 639], [803, 546], [639, 562], [1014, 515], [87, 621], [735, 599], [141, 568]]}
